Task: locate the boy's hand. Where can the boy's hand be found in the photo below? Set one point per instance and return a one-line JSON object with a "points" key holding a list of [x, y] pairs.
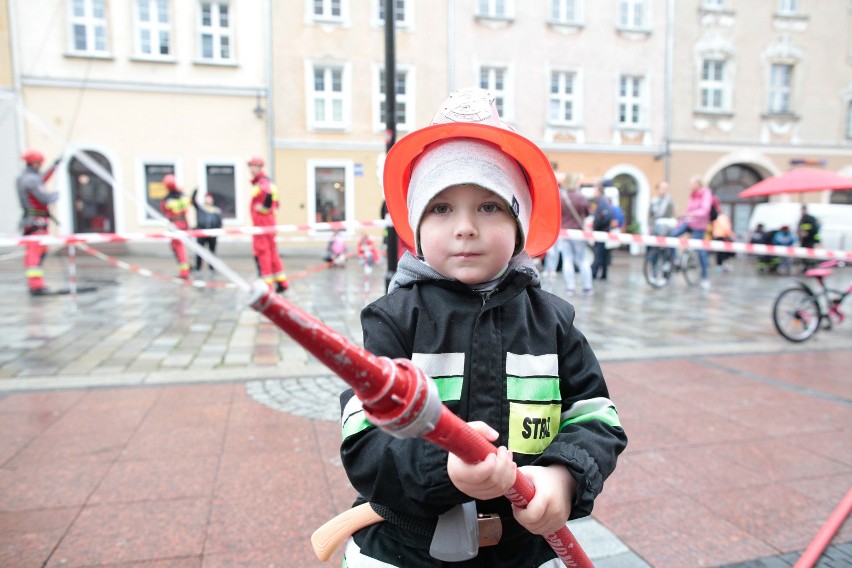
{"points": [[487, 479], [551, 506]]}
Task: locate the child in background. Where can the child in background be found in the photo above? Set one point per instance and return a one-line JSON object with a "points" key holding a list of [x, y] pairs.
{"points": [[785, 238], [475, 200], [336, 251]]}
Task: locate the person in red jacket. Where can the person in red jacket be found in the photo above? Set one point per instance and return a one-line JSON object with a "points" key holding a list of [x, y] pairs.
{"points": [[264, 204], [174, 206], [34, 199]]}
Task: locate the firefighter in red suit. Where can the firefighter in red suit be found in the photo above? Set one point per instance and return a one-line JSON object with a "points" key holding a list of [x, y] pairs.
{"points": [[34, 199], [175, 206], [264, 204]]}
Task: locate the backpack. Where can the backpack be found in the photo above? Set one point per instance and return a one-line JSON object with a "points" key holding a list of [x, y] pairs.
{"points": [[714, 211]]}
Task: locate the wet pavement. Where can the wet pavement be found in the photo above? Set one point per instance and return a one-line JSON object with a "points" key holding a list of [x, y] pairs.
{"points": [[153, 424]]}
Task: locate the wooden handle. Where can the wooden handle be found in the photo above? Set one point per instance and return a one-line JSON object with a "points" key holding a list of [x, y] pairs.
{"points": [[328, 537]]}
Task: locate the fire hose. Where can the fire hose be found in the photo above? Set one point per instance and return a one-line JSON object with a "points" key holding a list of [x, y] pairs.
{"points": [[400, 399]]}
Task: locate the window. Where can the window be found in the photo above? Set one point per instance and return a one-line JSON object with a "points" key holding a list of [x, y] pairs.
{"points": [[332, 183], [630, 101], [155, 191], [780, 85], [400, 14], [221, 183], [713, 85], [328, 10], [788, 7], [328, 97], [566, 11], [713, 4], [562, 105], [216, 32], [498, 9], [493, 79], [88, 27], [153, 34], [403, 91], [631, 14], [849, 120]]}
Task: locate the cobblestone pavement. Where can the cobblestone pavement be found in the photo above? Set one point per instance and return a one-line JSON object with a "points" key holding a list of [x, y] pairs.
{"points": [[144, 381]]}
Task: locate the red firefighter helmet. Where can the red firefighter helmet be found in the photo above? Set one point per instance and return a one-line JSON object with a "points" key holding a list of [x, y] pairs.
{"points": [[169, 181], [33, 157], [255, 161]]}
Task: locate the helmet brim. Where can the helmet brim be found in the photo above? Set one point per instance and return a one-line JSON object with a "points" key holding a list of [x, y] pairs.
{"points": [[546, 212]]}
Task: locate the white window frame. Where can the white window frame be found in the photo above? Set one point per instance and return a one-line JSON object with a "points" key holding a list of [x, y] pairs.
{"points": [[715, 85], [327, 7], [216, 31], [487, 77], [348, 167], [562, 98], [495, 9], [849, 120], [633, 14], [96, 28], [632, 105], [788, 7], [403, 13], [155, 29], [328, 97], [379, 123], [567, 12], [713, 5], [780, 88]]}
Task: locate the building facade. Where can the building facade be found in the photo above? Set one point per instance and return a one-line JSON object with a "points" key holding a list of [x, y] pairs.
{"points": [[636, 91]]}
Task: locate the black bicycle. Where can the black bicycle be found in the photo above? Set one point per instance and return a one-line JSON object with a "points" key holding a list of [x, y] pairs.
{"points": [[799, 312], [660, 263]]}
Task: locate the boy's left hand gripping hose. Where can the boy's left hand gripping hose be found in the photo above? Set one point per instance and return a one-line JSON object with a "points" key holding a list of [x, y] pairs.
{"points": [[399, 399]]}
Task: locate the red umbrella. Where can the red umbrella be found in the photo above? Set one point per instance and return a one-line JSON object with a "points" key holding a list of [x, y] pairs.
{"points": [[799, 180]]}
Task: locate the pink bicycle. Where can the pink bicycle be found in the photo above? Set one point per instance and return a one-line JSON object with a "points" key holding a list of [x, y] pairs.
{"points": [[799, 312]]}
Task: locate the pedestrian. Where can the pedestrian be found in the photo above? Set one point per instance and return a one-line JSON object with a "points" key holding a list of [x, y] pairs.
{"points": [[471, 195], [35, 199], [760, 236], [602, 221], [695, 220], [809, 234], [574, 209], [661, 217], [721, 230], [264, 205], [207, 216], [368, 254], [175, 206], [783, 237], [336, 250]]}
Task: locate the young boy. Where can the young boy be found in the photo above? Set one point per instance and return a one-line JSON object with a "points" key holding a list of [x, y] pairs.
{"points": [[470, 195]]}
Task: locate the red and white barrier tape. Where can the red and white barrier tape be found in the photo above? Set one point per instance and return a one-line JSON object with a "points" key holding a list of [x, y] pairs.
{"points": [[699, 244], [159, 235], [599, 236]]}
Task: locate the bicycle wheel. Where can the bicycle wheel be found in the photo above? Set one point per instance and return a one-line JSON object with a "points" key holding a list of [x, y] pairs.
{"points": [[658, 266], [796, 314], [691, 267]]}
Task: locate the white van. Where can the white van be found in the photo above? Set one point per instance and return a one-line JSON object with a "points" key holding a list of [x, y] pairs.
{"points": [[835, 221]]}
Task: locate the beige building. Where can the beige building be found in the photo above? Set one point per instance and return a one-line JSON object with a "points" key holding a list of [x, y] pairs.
{"points": [[633, 90], [757, 87], [137, 90]]}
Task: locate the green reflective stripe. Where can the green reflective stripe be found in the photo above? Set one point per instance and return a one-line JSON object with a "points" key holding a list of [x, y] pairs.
{"points": [[608, 416], [449, 388], [532, 427], [34, 272], [538, 389], [355, 423]]}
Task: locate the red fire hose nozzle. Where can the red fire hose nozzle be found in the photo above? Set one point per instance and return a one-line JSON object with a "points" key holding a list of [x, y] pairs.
{"points": [[400, 399]]}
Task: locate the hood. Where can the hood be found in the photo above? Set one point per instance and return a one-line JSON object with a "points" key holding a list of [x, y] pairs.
{"points": [[411, 269]]}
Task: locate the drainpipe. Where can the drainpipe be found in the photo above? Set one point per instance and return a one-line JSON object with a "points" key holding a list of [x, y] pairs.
{"points": [[270, 106], [17, 89], [670, 16]]}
